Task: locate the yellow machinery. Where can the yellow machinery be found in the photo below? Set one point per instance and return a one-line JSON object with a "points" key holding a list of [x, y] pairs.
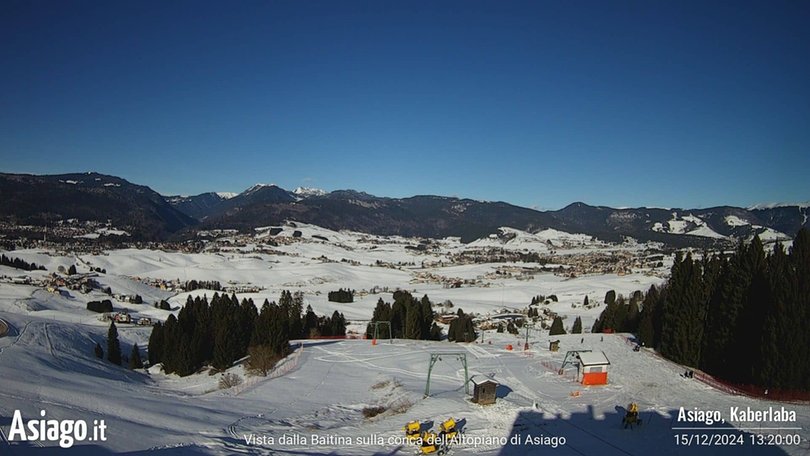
{"points": [[412, 430], [631, 417], [431, 443], [447, 430]]}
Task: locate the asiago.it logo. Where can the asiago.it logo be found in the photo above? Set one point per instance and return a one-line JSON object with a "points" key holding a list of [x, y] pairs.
{"points": [[65, 432]]}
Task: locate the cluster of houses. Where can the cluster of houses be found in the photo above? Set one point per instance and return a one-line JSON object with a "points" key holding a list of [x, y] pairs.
{"points": [[620, 263], [134, 299], [240, 288], [84, 283], [125, 318], [17, 280], [426, 277], [163, 284], [177, 285]]}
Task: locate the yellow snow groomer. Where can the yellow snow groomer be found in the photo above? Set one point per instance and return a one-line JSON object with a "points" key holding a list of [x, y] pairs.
{"points": [[431, 444], [412, 430], [447, 430], [631, 417]]}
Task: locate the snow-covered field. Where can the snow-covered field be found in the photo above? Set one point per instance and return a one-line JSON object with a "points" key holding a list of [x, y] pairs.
{"points": [[313, 403]]}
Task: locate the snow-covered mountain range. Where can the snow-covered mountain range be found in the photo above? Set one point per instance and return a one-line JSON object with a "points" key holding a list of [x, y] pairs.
{"points": [[90, 196]]}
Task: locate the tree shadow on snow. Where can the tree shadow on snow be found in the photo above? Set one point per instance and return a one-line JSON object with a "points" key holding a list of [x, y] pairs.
{"points": [[26, 448], [315, 342], [537, 431]]}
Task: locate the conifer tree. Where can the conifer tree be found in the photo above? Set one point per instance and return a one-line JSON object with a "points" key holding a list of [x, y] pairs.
{"points": [[310, 323], [413, 320], [261, 330], [435, 332], [338, 324], [750, 307], [556, 327], [273, 328], [799, 260], [577, 328], [226, 342], [467, 329], [685, 312], [631, 316], [748, 333], [462, 328], [247, 320], [646, 326], [398, 315], [426, 313], [171, 338], [298, 314], [776, 368], [382, 312], [135, 358], [113, 347]]}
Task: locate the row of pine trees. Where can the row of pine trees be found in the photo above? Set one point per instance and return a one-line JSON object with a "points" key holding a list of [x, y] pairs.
{"points": [[462, 328], [20, 264], [222, 331], [409, 318], [738, 317], [114, 350]]}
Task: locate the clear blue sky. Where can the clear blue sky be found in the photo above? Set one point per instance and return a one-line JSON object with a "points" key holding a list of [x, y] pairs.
{"points": [[538, 103]]}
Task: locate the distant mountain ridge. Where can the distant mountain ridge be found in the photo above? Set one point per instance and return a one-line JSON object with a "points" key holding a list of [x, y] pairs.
{"points": [[91, 196], [43, 200], [439, 216]]}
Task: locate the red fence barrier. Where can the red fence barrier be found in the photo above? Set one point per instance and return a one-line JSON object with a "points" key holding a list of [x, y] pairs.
{"points": [[347, 336], [752, 390], [736, 389], [283, 367]]}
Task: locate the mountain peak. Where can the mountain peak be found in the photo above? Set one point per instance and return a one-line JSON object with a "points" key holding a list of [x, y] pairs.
{"points": [[256, 187], [577, 205], [306, 192]]}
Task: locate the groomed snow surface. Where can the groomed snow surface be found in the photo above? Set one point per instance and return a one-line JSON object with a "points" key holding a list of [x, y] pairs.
{"points": [[314, 403]]}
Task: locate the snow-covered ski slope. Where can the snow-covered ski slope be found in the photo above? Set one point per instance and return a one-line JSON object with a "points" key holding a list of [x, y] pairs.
{"points": [[47, 366], [314, 403]]}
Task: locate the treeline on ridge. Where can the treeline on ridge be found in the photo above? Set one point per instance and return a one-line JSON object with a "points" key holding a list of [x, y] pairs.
{"points": [[409, 318], [192, 285], [20, 264], [225, 330]]}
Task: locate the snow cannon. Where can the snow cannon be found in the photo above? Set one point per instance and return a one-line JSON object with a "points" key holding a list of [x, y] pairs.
{"points": [[447, 430], [431, 444], [412, 430], [631, 417]]}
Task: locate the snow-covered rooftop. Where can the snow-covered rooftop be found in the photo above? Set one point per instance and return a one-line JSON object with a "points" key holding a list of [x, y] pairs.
{"points": [[593, 358]]}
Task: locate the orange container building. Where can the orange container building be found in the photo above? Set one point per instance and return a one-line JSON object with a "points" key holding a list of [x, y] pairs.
{"points": [[594, 368]]}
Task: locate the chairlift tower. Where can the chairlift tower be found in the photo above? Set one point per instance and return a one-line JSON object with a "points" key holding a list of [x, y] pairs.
{"points": [[571, 359], [526, 344], [377, 330], [437, 356]]}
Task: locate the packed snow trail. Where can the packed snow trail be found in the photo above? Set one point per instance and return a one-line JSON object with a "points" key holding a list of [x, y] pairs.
{"points": [[17, 338]]}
